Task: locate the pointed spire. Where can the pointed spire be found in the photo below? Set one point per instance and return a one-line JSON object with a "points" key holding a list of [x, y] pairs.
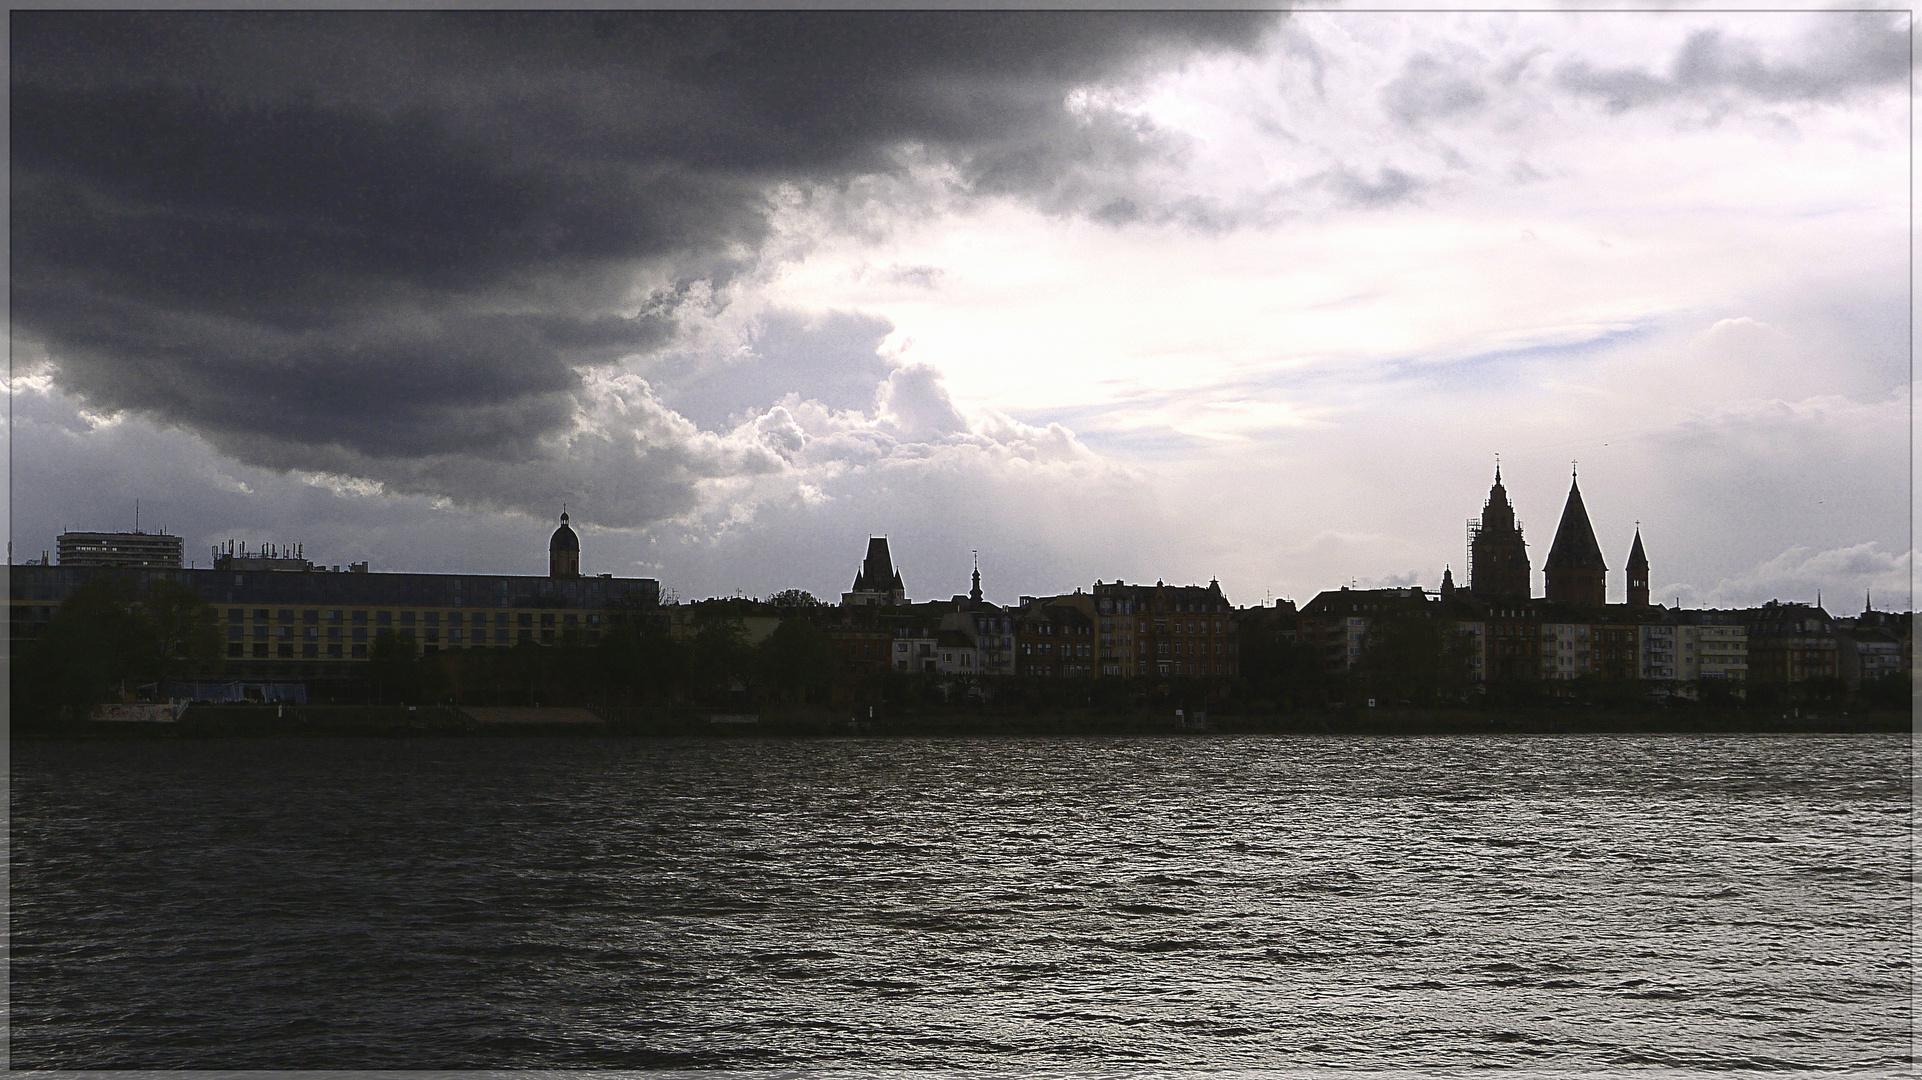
{"points": [[1575, 570], [1637, 559], [1575, 546]]}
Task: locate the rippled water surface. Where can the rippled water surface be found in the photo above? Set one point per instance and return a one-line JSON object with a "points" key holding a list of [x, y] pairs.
{"points": [[1606, 904]]}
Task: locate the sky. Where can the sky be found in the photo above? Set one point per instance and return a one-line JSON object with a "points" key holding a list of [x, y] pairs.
{"points": [[1249, 297]]}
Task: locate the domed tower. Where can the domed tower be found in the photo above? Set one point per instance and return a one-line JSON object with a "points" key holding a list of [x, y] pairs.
{"points": [[564, 552], [1576, 574], [1497, 555], [1637, 573]]}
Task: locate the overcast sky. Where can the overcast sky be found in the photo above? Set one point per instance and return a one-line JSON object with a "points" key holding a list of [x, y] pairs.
{"points": [[1237, 296]]}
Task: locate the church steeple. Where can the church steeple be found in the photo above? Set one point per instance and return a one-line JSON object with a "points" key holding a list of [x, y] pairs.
{"points": [[1637, 572], [1575, 571], [974, 594]]}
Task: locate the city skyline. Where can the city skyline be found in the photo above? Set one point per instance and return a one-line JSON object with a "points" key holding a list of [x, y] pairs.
{"points": [[1248, 297]]}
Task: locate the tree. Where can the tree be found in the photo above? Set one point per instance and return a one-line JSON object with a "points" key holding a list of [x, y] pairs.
{"points": [[794, 598], [393, 667], [108, 637], [185, 629], [798, 657], [1412, 657], [721, 656]]}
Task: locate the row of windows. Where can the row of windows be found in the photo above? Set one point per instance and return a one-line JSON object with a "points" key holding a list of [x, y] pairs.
{"points": [[1162, 648], [1047, 649], [431, 635], [357, 650], [1184, 626], [336, 616]]}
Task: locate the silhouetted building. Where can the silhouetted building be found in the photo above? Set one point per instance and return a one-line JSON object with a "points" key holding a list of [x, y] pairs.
{"points": [[1054, 641], [1497, 555], [1163, 629], [1574, 572], [877, 582], [564, 552], [153, 551], [285, 618], [1335, 623], [1867, 653], [1637, 574], [1790, 643]]}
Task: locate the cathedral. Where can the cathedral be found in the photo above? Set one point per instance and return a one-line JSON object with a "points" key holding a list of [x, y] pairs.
{"points": [[1575, 572]]}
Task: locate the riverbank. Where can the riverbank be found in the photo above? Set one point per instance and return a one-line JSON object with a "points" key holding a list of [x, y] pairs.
{"points": [[335, 721]]}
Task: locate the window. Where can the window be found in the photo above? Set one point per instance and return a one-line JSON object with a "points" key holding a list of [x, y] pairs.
{"points": [[568, 620], [454, 635], [500, 619], [524, 618], [360, 633], [360, 651], [333, 652], [234, 614], [235, 649], [333, 633], [500, 637], [260, 651], [260, 633], [454, 618], [360, 618], [407, 618], [260, 614], [233, 634], [284, 615], [383, 618], [311, 618], [432, 618], [333, 617], [432, 634], [285, 651], [311, 633]]}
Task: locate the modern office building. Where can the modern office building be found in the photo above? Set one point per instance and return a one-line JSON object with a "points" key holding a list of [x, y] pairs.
{"points": [[96, 550]]}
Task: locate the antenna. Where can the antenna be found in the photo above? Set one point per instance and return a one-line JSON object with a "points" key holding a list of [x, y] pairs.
{"points": [[136, 515]]}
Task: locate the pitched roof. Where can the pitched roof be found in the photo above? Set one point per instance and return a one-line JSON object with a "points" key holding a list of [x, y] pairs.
{"points": [[1575, 547], [1637, 560]]}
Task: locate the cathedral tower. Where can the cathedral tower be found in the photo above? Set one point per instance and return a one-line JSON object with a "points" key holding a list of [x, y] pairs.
{"points": [[1576, 574], [1637, 573], [1497, 555]]}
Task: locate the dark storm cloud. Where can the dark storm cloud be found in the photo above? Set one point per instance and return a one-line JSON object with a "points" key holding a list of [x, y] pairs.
{"points": [[397, 235], [1851, 50]]}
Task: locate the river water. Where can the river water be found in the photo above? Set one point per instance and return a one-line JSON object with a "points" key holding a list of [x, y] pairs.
{"points": [[1590, 905]]}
